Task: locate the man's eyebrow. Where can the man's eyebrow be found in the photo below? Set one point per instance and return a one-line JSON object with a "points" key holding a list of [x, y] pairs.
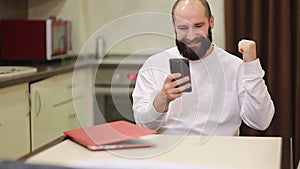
{"points": [[186, 24], [182, 25]]}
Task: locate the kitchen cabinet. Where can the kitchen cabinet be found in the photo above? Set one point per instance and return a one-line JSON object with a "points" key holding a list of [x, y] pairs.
{"points": [[54, 107], [14, 122]]}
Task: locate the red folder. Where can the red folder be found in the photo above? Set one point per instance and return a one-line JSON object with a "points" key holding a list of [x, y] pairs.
{"points": [[113, 135]]}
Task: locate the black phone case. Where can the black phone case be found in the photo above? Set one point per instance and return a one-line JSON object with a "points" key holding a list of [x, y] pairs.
{"points": [[181, 66]]}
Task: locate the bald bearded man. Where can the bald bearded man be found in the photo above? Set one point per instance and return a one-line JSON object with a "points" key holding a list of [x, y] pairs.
{"points": [[226, 90]]}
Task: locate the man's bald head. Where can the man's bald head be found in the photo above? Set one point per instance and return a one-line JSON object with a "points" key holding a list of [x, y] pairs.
{"points": [[190, 2]]}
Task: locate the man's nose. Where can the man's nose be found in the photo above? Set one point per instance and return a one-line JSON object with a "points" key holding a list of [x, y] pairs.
{"points": [[191, 34]]}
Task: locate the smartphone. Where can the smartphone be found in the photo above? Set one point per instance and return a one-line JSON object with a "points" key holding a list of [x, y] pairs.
{"points": [[182, 66]]}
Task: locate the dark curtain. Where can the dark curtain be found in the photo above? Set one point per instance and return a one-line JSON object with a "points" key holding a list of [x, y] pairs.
{"points": [[275, 26]]}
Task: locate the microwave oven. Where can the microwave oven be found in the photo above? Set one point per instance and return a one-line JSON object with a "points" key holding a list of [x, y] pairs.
{"points": [[31, 40]]}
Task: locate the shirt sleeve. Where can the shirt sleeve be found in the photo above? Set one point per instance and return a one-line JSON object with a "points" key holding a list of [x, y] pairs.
{"points": [[146, 89], [257, 109]]}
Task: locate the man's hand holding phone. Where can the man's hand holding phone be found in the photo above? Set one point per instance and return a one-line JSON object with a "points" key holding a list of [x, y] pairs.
{"points": [[174, 85], [174, 88], [181, 66]]}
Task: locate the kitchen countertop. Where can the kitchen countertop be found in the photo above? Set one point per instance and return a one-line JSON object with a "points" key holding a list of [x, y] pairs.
{"points": [[44, 70], [56, 67]]}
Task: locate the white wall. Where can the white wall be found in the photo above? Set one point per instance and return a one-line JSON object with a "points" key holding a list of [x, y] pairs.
{"points": [[96, 17], [218, 10]]}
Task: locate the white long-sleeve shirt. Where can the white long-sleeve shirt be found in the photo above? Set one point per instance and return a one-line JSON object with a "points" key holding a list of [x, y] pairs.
{"points": [[225, 91]]}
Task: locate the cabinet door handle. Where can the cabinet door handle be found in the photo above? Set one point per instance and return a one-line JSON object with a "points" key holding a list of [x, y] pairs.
{"points": [[72, 116], [70, 86], [38, 99]]}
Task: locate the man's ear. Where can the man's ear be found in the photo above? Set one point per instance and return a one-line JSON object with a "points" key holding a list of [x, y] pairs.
{"points": [[212, 22]]}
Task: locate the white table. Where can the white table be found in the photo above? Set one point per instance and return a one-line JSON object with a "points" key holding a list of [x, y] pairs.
{"points": [[173, 151]]}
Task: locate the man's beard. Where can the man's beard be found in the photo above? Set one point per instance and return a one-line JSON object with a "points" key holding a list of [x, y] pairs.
{"points": [[195, 53]]}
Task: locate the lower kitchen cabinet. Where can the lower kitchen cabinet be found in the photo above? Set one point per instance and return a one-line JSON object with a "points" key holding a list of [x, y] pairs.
{"points": [[42, 120], [14, 122], [53, 107], [64, 117]]}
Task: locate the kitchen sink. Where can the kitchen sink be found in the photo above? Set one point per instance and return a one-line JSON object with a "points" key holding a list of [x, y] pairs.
{"points": [[9, 71]]}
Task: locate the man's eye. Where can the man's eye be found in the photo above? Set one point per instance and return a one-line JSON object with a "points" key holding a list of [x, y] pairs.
{"points": [[182, 28], [198, 26]]}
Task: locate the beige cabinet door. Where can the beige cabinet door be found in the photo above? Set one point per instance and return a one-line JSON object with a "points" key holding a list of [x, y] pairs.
{"points": [[54, 103], [74, 106], [14, 122], [83, 95], [42, 113], [65, 117]]}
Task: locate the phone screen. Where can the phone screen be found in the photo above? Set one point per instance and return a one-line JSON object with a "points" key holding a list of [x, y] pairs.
{"points": [[178, 65]]}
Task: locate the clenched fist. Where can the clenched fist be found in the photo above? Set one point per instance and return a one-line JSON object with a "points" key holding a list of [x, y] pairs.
{"points": [[248, 49]]}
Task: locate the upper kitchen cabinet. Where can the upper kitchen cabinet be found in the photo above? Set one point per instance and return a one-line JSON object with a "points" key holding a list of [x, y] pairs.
{"points": [[14, 122]]}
